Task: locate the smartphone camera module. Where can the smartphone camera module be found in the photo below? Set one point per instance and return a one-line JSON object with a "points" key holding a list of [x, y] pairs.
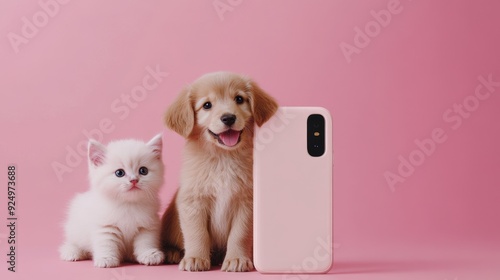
{"points": [[316, 135]]}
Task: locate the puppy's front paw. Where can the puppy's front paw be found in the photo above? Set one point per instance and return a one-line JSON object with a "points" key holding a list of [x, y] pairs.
{"points": [[242, 264], [151, 257], [109, 261], [173, 255], [194, 264]]}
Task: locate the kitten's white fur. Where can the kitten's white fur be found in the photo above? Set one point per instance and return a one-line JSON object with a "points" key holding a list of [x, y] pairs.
{"points": [[113, 221]]}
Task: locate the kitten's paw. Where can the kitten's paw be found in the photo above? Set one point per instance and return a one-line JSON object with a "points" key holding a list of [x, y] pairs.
{"points": [[151, 257], [194, 264], [173, 255], [241, 264], [109, 261], [72, 253]]}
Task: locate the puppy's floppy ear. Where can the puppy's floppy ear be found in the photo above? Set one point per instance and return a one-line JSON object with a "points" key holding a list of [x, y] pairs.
{"points": [[263, 105], [180, 115]]}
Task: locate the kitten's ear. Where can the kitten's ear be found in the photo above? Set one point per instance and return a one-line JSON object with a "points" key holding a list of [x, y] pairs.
{"points": [[180, 115], [157, 144], [97, 153], [262, 104]]}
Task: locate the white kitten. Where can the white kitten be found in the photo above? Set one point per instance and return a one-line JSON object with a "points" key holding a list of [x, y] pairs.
{"points": [[117, 219]]}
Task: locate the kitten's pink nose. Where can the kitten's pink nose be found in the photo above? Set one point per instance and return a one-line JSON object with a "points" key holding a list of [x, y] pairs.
{"points": [[134, 181]]}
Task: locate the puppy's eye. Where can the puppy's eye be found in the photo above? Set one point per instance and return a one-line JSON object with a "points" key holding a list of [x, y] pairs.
{"points": [[143, 170], [207, 105], [120, 173], [239, 99]]}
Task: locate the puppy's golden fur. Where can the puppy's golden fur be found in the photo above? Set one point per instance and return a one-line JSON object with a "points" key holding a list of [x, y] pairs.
{"points": [[210, 216]]}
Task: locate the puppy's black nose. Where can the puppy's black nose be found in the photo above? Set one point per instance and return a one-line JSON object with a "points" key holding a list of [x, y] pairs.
{"points": [[228, 119]]}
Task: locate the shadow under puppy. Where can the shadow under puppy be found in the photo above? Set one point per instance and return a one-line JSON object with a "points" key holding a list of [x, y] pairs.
{"points": [[210, 216]]}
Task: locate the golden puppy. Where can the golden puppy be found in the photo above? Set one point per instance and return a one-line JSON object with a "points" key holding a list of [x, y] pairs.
{"points": [[210, 216]]}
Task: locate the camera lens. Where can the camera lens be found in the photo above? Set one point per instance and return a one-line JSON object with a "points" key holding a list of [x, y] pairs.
{"points": [[316, 135]]}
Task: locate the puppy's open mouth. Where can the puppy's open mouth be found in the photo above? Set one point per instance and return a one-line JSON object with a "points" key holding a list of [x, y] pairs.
{"points": [[227, 138]]}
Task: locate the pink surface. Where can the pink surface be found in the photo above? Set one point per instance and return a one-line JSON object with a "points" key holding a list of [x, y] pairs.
{"points": [[390, 78]]}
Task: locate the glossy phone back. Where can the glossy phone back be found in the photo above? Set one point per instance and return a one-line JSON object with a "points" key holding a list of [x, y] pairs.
{"points": [[292, 195]]}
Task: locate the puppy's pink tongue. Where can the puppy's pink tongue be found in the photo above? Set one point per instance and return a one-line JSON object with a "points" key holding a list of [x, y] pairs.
{"points": [[230, 137]]}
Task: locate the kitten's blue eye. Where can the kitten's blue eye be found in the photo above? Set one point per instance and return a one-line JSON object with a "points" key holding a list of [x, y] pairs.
{"points": [[207, 105], [120, 173], [143, 170]]}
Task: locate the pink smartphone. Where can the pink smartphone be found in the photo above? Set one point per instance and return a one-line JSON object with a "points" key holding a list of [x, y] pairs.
{"points": [[293, 192]]}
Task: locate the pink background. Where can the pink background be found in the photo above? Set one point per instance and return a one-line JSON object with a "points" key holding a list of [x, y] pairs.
{"points": [[442, 222]]}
